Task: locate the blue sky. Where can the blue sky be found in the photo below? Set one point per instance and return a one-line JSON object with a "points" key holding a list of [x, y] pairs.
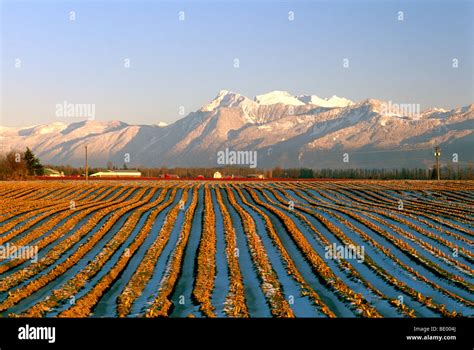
{"points": [[185, 63]]}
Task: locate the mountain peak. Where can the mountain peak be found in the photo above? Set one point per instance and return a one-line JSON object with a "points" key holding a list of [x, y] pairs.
{"points": [[277, 96], [331, 102], [223, 92], [224, 98], [284, 97]]}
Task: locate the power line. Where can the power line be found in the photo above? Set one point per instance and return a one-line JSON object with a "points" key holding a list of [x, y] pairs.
{"points": [[87, 167], [437, 155]]}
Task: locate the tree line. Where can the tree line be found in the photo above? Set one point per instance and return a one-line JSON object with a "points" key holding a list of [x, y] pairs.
{"points": [[447, 172], [19, 165], [16, 165]]}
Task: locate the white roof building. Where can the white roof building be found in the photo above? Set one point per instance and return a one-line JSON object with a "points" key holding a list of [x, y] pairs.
{"points": [[217, 175], [53, 172], [117, 173]]}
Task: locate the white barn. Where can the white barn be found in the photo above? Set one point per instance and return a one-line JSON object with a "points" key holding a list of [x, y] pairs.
{"points": [[53, 172], [117, 173]]}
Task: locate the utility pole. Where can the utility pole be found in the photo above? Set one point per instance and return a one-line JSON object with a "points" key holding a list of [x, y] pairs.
{"points": [[437, 154], [87, 167]]}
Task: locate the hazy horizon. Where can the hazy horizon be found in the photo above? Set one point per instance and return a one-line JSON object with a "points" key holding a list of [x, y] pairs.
{"points": [[184, 63]]}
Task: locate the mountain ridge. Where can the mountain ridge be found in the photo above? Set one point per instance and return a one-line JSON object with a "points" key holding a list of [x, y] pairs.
{"points": [[285, 130]]}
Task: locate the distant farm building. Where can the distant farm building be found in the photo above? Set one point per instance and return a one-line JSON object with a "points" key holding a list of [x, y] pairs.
{"points": [[217, 175], [53, 172], [256, 176], [117, 173]]}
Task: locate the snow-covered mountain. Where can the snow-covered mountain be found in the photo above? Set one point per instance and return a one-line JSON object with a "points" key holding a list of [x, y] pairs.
{"points": [[276, 97], [331, 102], [284, 130]]}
